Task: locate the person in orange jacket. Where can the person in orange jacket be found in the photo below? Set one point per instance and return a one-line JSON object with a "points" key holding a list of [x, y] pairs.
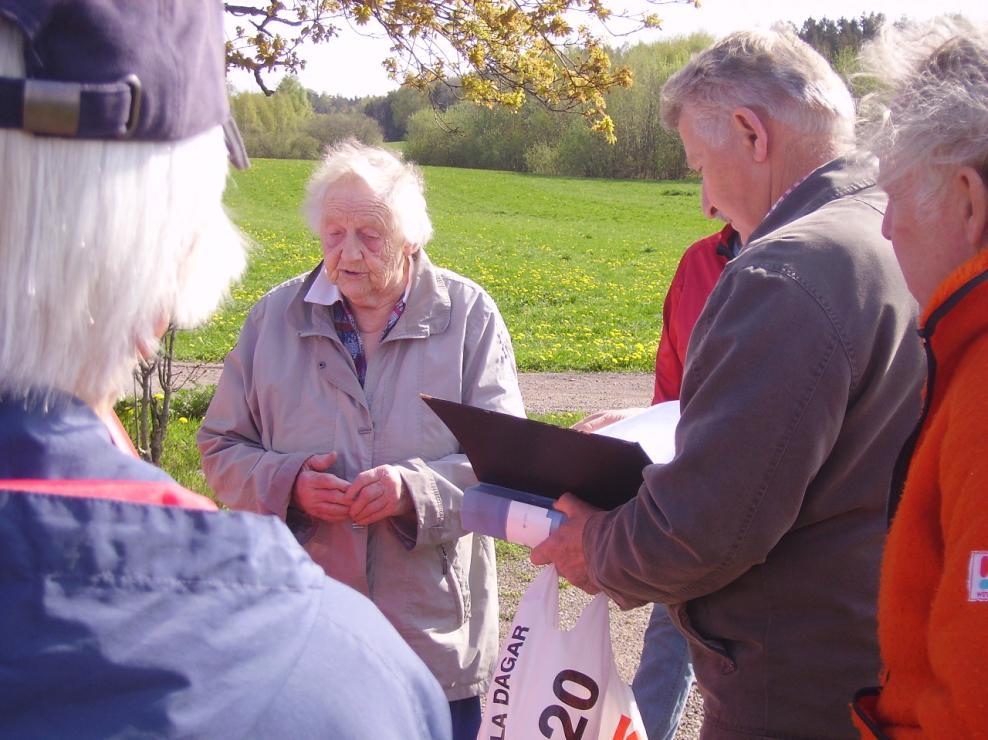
{"points": [[932, 142]]}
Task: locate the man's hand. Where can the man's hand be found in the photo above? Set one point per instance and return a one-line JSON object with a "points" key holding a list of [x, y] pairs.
{"points": [[564, 547], [320, 494], [604, 419], [376, 494]]}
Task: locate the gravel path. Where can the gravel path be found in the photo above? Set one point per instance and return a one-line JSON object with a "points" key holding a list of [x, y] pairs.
{"points": [[545, 393]]}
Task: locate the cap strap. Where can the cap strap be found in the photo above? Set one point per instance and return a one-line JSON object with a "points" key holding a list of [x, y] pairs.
{"points": [[71, 109], [51, 107]]}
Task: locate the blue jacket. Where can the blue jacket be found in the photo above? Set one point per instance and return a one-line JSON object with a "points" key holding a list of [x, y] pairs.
{"points": [[123, 619]]}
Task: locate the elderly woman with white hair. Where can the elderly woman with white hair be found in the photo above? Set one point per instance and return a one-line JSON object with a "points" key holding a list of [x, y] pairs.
{"points": [[317, 417], [131, 606], [932, 142]]}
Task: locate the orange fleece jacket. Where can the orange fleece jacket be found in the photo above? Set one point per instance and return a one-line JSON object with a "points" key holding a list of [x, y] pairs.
{"points": [[933, 598]]}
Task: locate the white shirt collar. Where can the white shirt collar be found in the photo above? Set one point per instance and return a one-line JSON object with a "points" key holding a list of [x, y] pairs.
{"points": [[326, 293]]}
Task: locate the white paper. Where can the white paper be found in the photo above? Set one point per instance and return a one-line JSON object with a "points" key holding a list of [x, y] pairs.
{"points": [[654, 429], [528, 525]]}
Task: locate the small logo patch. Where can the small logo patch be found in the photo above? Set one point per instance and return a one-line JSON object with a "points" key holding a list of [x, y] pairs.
{"points": [[977, 578]]}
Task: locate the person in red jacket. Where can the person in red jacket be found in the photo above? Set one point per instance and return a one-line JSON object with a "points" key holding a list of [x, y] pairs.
{"points": [[697, 273], [932, 142], [665, 674], [695, 277]]}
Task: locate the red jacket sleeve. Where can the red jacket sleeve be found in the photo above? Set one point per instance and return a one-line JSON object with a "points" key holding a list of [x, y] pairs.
{"points": [[698, 271]]}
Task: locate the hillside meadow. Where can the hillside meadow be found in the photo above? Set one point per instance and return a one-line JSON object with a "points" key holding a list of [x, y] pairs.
{"points": [[578, 267]]}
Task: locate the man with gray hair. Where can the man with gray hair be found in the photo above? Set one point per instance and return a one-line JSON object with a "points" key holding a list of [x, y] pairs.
{"points": [[764, 533], [929, 128], [131, 607]]}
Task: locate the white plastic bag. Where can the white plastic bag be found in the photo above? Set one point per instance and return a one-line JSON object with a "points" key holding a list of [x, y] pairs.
{"points": [[561, 685]]}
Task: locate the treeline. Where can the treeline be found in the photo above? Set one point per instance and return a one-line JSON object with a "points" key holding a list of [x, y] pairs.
{"points": [[439, 130], [538, 141], [295, 123], [840, 40], [287, 125]]}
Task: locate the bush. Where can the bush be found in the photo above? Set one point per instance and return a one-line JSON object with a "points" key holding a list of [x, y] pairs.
{"points": [[543, 159], [188, 403], [430, 141], [329, 128], [193, 402], [470, 135], [274, 126]]}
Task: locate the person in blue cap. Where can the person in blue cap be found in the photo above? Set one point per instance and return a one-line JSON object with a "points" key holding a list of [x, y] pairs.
{"points": [[131, 607]]}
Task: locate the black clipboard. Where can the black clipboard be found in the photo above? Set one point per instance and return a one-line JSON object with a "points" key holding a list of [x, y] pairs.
{"points": [[546, 460]]}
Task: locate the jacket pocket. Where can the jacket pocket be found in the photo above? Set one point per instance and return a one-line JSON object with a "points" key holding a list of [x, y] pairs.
{"points": [[418, 590], [714, 649]]}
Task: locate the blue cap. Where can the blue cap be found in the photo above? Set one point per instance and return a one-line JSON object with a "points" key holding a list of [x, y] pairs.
{"points": [[137, 70]]}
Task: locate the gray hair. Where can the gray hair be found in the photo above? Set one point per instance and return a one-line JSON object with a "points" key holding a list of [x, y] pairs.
{"points": [[931, 109], [100, 242], [397, 183], [773, 72]]}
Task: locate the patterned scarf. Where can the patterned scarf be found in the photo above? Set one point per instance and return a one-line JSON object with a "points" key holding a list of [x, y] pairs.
{"points": [[346, 329]]}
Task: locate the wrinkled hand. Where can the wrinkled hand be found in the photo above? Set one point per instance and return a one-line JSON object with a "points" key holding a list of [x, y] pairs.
{"points": [[377, 494], [320, 494], [564, 547], [604, 419]]}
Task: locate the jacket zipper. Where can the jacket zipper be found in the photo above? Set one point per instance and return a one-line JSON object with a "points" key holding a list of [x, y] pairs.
{"points": [[901, 469], [442, 550]]}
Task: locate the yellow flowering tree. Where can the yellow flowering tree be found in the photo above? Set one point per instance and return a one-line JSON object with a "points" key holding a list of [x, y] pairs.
{"points": [[495, 52]]}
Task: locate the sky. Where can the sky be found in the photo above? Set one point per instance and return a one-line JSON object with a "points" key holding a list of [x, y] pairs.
{"points": [[351, 64]]}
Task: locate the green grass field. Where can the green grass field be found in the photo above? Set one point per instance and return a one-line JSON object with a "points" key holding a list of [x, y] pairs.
{"points": [[578, 267]]}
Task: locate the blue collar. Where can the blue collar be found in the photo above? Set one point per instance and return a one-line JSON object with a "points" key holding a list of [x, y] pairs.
{"points": [[63, 440]]}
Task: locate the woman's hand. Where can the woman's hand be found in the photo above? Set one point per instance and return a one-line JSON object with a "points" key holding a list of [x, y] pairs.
{"points": [[604, 419], [320, 494], [377, 494]]}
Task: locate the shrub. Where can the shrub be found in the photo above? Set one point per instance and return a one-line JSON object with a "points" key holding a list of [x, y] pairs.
{"points": [[190, 403], [542, 159], [329, 128], [193, 402]]}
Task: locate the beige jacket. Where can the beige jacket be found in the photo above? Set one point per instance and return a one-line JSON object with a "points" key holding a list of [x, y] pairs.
{"points": [[289, 390]]}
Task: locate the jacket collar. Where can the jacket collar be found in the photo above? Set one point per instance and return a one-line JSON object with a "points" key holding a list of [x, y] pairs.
{"points": [[427, 308], [326, 293], [967, 285], [835, 179], [63, 438]]}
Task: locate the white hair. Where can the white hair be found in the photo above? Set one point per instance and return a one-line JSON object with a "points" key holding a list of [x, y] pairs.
{"points": [[770, 71], [101, 242], [397, 183], [931, 110]]}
